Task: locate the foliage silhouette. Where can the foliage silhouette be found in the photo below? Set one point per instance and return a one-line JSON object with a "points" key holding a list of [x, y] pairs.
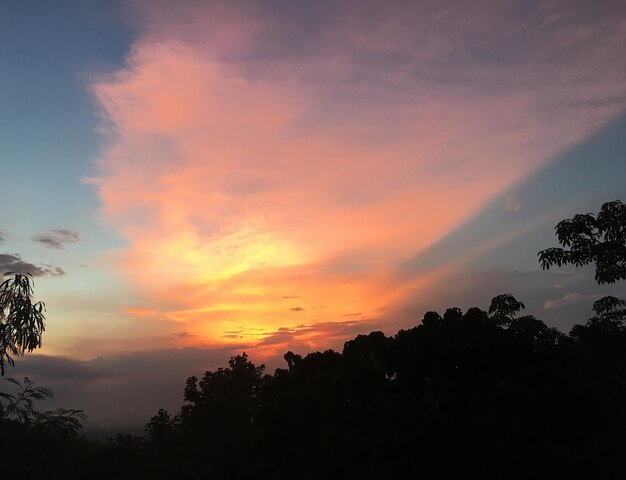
{"points": [[22, 322], [161, 426], [474, 395], [20, 408], [599, 240], [31, 440], [504, 307], [588, 238]]}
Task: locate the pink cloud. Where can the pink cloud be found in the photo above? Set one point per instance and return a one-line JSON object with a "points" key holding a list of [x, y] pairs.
{"points": [[245, 163], [567, 299]]}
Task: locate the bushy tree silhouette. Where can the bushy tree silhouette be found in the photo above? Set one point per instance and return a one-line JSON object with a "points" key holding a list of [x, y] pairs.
{"points": [[504, 307], [161, 426], [225, 398]]}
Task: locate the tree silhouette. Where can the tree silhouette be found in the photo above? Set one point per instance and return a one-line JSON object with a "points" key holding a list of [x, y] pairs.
{"points": [[22, 324], [599, 240], [504, 307], [225, 397], [161, 426], [20, 408], [21, 320]]}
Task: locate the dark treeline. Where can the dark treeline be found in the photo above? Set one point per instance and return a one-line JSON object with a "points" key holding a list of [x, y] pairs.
{"points": [[472, 394], [480, 394]]}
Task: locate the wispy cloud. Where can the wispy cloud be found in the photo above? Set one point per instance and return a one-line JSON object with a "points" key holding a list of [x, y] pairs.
{"points": [[303, 338], [57, 239], [137, 311], [567, 299], [512, 204], [183, 335], [245, 157]]}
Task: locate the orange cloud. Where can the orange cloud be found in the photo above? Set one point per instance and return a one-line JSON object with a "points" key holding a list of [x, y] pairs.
{"points": [[240, 181]]}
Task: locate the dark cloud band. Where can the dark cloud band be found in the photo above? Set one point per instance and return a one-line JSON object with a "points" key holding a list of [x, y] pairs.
{"points": [[14, 263]]}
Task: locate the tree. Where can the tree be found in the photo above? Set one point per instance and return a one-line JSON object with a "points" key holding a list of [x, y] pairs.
{"points": [[223, 400], [22, 322], [20, 408], [504, 307], [161, 426], [594, 239]]}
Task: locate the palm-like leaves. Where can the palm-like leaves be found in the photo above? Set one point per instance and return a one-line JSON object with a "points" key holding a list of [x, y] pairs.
{"points": [[20, 407], [22, 322], [63, 421]]}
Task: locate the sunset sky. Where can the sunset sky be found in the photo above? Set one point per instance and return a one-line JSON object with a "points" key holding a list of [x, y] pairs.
{"points": [[189, 180]]}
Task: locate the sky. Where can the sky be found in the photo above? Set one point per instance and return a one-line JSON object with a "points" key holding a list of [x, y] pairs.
{"points": [[190, 180]]}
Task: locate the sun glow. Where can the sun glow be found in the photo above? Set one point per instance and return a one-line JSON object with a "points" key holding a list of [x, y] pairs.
{"points": [[263, 196]]}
